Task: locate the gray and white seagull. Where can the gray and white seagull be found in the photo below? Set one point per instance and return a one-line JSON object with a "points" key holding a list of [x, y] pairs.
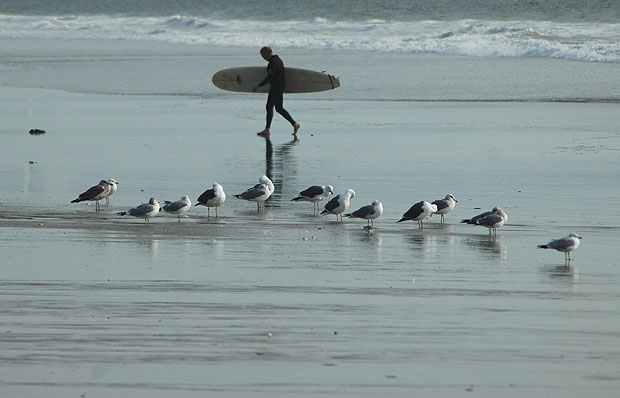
{"points": [[178, 207], [145, 210], [492, 220], [369, 212], [565, 245]]}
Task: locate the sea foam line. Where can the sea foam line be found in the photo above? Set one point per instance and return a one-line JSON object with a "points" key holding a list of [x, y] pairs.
{"points": [[573, 41]]}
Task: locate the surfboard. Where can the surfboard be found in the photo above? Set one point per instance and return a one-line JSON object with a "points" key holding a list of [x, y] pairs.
{"points": [[297, 80]]}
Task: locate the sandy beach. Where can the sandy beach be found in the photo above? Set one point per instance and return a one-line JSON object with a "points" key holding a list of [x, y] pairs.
{"points": [[282, 303]]}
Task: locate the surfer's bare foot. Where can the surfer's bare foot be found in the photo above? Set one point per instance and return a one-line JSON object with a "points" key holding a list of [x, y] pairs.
{"points": [[296, 128], [264, 133]]}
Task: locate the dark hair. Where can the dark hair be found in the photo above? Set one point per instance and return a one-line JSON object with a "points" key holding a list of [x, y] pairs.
{"points": [[266, 50]]}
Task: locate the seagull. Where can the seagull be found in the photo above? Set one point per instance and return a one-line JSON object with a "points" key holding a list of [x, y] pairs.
{"points": [[258, 193], [419, 212], [339, 204], [265, 180], [113, 187], [96, 193], [474, 219], [445, 205], [314, 194], [145, 210], [214, 197], [178, 207], [492, 220], [368, 212], [565, 245]]}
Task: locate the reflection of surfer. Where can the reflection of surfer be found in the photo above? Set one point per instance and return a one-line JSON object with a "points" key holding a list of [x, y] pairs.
{"points": [[275, 76]]}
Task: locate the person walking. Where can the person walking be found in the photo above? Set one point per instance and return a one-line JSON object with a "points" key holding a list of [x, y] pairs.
{"points": [[275, 76]]}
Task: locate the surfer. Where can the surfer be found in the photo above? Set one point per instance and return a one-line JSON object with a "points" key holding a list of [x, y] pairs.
{"points": [[275, 76]]}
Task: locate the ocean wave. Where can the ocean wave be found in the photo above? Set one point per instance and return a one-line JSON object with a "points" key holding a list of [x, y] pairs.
{"points": [[588, 42]]}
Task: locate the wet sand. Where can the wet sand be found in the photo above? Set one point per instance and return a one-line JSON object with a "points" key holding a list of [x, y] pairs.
{"points": [[282, 303]]}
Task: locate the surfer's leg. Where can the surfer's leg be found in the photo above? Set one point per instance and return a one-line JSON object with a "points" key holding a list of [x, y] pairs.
{"points": [[269, 108], [279, 104]]}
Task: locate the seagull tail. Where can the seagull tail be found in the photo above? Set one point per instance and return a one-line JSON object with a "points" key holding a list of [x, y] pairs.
{"points": [[466, 221], [402, 219], [76, 200], [122, 213], [296, 199], [543, 246]]}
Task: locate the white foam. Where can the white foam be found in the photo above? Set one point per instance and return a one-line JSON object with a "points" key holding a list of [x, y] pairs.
{"points": [[592, 42]]}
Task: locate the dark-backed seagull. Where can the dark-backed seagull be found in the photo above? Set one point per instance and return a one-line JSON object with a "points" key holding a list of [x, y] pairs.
{"points": [[314, 194], [492, 220], [214, 197], [474, 219], [145, 210], [96, 193], [339, 204], [445, 205], [368, 212], [178, 207], [565, 245], [419, 212], [258, 193]]}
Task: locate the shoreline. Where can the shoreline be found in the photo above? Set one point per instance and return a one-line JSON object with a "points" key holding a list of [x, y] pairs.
{"points": [[151, 68]]}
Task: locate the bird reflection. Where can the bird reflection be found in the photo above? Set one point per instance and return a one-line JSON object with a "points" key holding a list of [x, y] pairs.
{"points": [[488, 244], [562, 272]]}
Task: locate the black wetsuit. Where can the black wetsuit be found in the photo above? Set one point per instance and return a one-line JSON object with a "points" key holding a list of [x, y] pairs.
{"points": [[275, 76]]}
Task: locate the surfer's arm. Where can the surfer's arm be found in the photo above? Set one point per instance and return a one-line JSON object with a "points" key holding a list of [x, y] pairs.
{"points": [[269, 78]]}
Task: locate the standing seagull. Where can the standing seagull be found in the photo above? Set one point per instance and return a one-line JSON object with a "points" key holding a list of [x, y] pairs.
{"points": [[474, 219], [419, 212], [445, 205], [145, 210], [113, 188], [178, 207], [492, 220], [258, 193], [368, 212], [565, 245], [314, 194], [267, 181], [339, 204], [214, 197], [96, 193]]}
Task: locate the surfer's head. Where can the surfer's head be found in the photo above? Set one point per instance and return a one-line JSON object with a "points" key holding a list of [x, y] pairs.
{"points": [[266, 52]]}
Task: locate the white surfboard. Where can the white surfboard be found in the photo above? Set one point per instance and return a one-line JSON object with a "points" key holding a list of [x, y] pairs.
{"points": [[244, 79]]}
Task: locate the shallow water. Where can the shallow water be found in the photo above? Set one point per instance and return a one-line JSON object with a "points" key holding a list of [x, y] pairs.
{"points": [[284, 303]]}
